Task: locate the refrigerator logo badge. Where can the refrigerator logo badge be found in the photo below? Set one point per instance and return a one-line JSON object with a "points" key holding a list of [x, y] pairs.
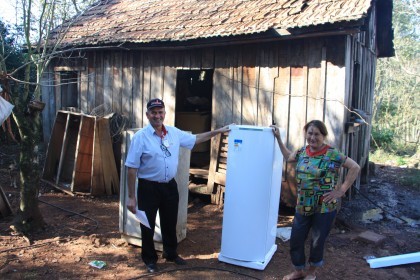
{"points": [[237, 144]]}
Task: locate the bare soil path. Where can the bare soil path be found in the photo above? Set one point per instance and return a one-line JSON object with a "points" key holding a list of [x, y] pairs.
{"points": [[71, 241]]}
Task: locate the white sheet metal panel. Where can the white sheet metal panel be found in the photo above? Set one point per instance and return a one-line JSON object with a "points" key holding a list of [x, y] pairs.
{"points": [[394, 260]]}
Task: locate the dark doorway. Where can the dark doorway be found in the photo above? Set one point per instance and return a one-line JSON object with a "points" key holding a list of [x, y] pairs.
{"points": [[193, 109]]}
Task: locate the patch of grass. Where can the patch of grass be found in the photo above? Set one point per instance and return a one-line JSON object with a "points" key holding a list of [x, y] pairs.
{"points": [[381, 156], [410, 164], [411, 178]]}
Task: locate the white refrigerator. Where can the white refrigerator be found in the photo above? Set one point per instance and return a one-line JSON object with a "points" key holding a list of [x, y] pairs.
{"points": [[252, 197]]}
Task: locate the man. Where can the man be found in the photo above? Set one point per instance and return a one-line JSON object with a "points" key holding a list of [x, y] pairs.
{"points": [[153, 159]]}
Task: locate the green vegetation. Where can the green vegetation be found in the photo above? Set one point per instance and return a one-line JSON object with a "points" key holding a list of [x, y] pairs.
{"points": [[395, 123], [411, 179], [392, 158], [25, 53]]}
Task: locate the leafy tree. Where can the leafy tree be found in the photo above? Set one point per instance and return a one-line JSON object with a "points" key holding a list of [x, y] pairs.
{"points": [[36, 20], [396, 109], [11, 58], [11, 55]]}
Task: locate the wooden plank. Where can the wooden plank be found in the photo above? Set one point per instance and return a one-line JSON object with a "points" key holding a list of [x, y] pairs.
{"points": [[222, 97], [127, 85], [217, 171], [169, 87], [82, 176], [57, 91], [220, 178], [222, 165], [98, 186], [108, 79], [237, 69], [281, 101], [104, 148], [157, 75], [335, 111], [147, 83], [298, 91], [68, 154], [292, 61], [92, 73], [109, 168], [198, 172], [297, 107], [249, 92], [84, 79], [349, 65], [220, 196], [350, 75], [316, 79], [47, 96], [222, 89], [117, 86], [58, 186], [213, 166], [138, 107], [52, 102], [63, 147], [185, 59], [282, 89], [55, 144], [195, 59], [267, 73], [99, 79], [104, 157], [207, 58]]}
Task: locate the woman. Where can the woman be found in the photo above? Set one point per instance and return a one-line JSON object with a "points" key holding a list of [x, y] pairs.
{"points": [[317, 174]]}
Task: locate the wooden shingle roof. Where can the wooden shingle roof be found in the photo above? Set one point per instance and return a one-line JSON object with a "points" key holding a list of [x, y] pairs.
{"points": [[111, 22]]}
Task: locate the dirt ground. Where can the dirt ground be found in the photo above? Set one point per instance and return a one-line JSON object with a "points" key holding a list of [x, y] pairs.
{"points": [[70, 241]]}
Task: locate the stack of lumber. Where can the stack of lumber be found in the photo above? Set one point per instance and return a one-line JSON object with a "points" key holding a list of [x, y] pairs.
{"points": [[217, 171], [80, 157], [105, 178]]}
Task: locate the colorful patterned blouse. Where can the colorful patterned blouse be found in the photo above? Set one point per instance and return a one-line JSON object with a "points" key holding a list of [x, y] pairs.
{"points": [[316, 174]]}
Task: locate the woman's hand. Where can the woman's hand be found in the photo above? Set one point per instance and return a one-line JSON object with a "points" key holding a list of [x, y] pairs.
{"points": [[332, 196], [276, 131], [354, 169], [287, 154]]}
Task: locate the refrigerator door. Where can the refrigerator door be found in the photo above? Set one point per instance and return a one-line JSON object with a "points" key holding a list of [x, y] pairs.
{"points": [[252, 193]]}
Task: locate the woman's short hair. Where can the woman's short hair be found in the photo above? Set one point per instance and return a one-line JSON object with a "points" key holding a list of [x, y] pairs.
{"points": [[318, 124]]}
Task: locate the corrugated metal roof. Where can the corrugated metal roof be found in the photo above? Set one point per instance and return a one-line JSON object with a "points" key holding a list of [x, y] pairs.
{"points": [[136, 21]]}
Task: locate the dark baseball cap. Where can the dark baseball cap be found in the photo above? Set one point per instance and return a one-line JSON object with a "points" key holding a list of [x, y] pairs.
{"points": [[155, 102]]}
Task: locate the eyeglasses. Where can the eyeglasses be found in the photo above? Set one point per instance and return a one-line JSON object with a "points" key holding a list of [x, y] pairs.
{"points": [[165, 150]]}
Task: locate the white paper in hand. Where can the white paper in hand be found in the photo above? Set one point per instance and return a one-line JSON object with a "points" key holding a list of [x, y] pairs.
{"points": [[141, 217]]}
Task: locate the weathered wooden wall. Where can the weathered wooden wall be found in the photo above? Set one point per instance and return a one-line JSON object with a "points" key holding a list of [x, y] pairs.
{"points": [[285, 82], [361, 79]]}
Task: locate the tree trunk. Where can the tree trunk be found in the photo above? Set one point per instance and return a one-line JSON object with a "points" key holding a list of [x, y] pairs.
{"points": [[29, 218]]}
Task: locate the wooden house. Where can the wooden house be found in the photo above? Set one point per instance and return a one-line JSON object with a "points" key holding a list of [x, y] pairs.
{"points": [[254, 62]]}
